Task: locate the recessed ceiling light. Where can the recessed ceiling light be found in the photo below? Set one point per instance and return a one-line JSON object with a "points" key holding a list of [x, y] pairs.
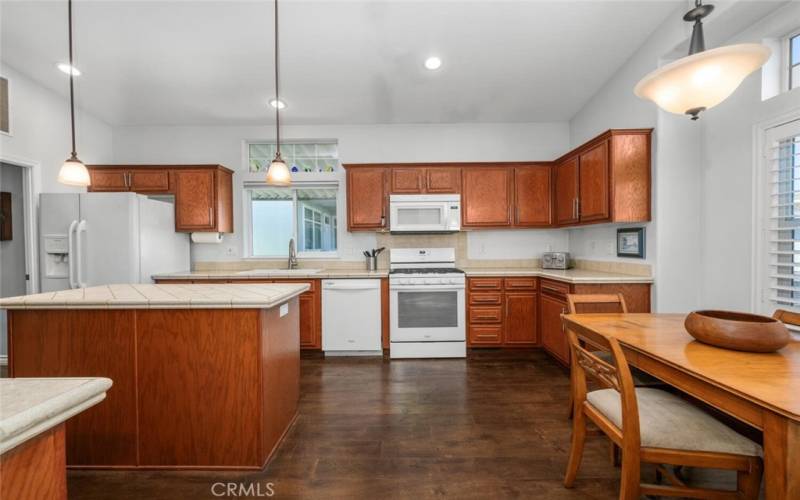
{"points": [[277, 103], [67, 69], [433, 63]]}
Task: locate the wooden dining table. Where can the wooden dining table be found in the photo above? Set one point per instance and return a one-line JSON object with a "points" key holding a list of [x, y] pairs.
{"points": [[760, 389]]}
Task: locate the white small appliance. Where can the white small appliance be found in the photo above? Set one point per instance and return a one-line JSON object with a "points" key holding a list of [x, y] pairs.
{"points": [[351, 317], [427, 306], [424, 213], [90, 239]]}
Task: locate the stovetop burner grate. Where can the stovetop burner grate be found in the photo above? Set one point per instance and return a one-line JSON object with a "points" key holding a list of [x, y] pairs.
{"points": [[427, 270]]}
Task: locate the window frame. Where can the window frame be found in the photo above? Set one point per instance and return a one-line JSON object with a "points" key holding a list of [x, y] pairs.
{"points": [[301, 254], [764, 133], [786, 61]]}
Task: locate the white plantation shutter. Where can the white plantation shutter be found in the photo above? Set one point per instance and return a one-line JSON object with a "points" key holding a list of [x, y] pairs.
{"points": [[783, 215]]}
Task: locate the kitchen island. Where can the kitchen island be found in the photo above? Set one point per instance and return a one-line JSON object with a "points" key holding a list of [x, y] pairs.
{"points": [[32, 416], [205, 376]]}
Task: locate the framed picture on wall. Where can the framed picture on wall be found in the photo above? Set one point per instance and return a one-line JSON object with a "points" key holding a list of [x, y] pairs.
{"points": [[4, 109], [630, 242]]}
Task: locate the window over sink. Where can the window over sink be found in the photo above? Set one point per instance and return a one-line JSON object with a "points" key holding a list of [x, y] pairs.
{"points": [[307, 214]]}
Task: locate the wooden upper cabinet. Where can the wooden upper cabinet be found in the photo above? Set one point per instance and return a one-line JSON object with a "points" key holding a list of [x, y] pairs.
{"points": [[443, 180], [609, 177], [149, 180], [417, 179], [566, 191], [195, 190], [366, 198], [594, 183], [105, 180], [486, 196], [409, 180], [533, 196]]}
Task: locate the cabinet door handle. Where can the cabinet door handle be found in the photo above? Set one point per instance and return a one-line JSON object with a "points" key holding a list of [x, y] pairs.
{"points": [[554, 290], [575, 208], [211, 215]]}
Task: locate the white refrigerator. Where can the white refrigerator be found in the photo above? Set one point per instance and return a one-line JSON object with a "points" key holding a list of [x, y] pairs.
{"points": [[92, 239]]}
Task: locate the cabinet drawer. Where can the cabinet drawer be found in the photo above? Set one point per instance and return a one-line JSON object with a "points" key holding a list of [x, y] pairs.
{"points": [[521, 283], [555, 288], [485, 284], [489, 314], [485, 335], [494, 299]]}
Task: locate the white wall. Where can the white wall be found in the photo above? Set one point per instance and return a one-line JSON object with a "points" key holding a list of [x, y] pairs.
{"points": [[40, 132], [515, 244], [727, 204], [357, 144]]}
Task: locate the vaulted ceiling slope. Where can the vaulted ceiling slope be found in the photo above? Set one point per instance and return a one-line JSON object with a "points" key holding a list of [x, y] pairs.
{"points": [[343, 62]]}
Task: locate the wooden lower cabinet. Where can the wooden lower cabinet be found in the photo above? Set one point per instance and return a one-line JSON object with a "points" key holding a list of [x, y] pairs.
{"points": [[554, 338], [502, 312], [521, 317], [553, 303], [525, 311]]}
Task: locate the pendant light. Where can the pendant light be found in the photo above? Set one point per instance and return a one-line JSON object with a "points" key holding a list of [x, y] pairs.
{"points": [[704, 78], [278, 173], [73, 172]]}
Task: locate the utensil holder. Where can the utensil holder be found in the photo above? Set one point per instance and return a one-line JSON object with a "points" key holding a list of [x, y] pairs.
{"points": [[372, 263]]}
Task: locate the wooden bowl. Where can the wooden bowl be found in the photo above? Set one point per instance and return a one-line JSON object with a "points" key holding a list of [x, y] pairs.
{"points": [[737, 331]]}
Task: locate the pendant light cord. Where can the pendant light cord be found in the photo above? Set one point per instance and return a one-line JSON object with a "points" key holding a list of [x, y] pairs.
{"points": [[71, 81], [277, 92]]}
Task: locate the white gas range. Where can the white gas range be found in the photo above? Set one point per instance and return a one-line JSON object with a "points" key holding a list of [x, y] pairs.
{"points": [[427, 305]]}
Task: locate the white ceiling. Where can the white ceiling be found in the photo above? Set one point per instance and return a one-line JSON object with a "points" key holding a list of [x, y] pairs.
{"points": [[210, 62]]}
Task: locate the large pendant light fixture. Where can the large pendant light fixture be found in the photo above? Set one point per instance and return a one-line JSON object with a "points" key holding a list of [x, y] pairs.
{"points": [[278, 173], [704, 78], [73, 172]]}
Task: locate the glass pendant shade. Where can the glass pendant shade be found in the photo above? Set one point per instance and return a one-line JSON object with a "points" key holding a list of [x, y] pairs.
{"points": [[701, 81], [278, 173], [74, 173]]}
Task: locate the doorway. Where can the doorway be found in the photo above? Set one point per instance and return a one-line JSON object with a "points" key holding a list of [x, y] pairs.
{"points": [[15, 253]]}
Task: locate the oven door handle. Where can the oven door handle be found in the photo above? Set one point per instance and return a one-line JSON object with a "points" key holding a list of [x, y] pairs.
{"points": [[426, 288]]}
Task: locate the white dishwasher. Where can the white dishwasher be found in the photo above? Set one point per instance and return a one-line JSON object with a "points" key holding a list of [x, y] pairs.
{"points": [[351, 317]]}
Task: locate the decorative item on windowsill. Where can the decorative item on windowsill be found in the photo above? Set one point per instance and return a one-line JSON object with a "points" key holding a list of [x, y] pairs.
{"points": [[630, 242], [737, 331], [704, 78]]}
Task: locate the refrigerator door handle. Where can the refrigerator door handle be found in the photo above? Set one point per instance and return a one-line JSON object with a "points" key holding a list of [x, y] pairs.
{"points": [[71, 256], [79, 246]]}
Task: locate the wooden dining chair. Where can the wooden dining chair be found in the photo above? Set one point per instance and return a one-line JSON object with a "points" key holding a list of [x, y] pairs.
{"points": [[606, 303], [787, 317], [653, 426]]}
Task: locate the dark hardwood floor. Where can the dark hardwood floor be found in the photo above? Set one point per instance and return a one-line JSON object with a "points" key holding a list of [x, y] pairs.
{"points": [[492, 426]]}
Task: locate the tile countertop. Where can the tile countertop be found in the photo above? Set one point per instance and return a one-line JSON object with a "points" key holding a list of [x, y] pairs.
{"points": [[568, 275], [31, 406], [144, 296], [272, 274]]}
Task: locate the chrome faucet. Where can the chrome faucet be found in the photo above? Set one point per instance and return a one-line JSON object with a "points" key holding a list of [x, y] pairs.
{"points": [[292, 255]]}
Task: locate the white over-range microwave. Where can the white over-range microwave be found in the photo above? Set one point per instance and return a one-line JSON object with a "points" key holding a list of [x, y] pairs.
{"points": [[424, 213]]}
